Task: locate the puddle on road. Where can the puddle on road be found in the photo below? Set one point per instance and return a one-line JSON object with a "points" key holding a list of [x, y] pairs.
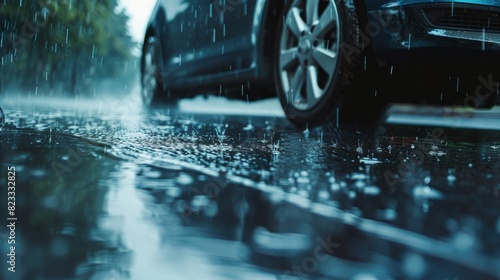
{"points": [[213, 181], [82, 215]]}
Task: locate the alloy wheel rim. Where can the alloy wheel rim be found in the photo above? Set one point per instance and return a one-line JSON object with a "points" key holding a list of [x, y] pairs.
{"points": [[150, 76], [309, 50]]}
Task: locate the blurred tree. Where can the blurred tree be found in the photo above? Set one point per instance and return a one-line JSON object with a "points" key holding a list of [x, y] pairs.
{"points": [[48, 45]]}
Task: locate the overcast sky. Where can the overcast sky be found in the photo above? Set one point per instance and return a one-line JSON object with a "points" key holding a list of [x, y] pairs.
{"points": [[139, 12]]}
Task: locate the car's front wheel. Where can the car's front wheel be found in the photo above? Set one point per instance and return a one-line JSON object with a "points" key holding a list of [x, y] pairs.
{"points": [[317, 57]]}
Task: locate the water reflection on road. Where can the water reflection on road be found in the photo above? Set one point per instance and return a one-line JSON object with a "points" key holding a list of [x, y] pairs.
{"points": [[165, 194]]}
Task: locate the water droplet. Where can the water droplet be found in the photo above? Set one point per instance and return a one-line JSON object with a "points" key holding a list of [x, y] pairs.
{"points": [[426, 192], [184, 179], [427, 180], [249, 126], [414, 265], [372, 190], [367, 160]]}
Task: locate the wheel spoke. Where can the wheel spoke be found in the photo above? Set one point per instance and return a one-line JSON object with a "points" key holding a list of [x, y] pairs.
{"points": [[295, 22], [313, 90], [296, 85], [288, 57], [326, 59], [311, 11], [327, 20]]}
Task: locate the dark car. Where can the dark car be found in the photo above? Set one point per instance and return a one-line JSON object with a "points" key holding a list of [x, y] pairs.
{"points": [[319, 56]]}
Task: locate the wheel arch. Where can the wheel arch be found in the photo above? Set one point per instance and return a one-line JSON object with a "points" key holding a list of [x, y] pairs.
{"points": [[267, 29]]}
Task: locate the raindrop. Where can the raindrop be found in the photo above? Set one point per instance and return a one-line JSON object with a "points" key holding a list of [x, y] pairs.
{"points": [[392, 70], [211, 209], [275, 148], [427, 180], [451, 177], [359, 184], [249, 126], [358, 176], [426, 192], [369, 161], [352, 195], [335, 187], [334, 144], [414, 265], [372, 190], [200, 201], [337, 118], [359, 149], [184, 179], [323, 195]]}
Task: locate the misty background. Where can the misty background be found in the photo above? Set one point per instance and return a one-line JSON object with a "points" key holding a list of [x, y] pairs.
{"points": [[71, 48]]}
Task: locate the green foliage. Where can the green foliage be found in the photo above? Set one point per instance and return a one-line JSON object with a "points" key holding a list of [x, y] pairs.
{"points": [[62, 45]]}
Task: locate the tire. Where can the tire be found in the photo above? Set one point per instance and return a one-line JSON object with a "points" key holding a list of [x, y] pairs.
{"points": [[318, 59], [153, 88]]}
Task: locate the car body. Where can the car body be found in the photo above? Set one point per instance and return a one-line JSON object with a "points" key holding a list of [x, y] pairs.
{"points": [[242, 48]]}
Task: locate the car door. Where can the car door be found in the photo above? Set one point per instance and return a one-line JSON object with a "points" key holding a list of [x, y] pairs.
{"points": [[226, 35], [182, 44]]}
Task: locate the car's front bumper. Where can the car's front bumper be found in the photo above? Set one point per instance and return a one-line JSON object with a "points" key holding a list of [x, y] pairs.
{"points": [[448, 32]]}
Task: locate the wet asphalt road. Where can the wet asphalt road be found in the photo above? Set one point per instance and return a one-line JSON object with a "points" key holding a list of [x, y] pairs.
{"points": [[107, 190]]}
